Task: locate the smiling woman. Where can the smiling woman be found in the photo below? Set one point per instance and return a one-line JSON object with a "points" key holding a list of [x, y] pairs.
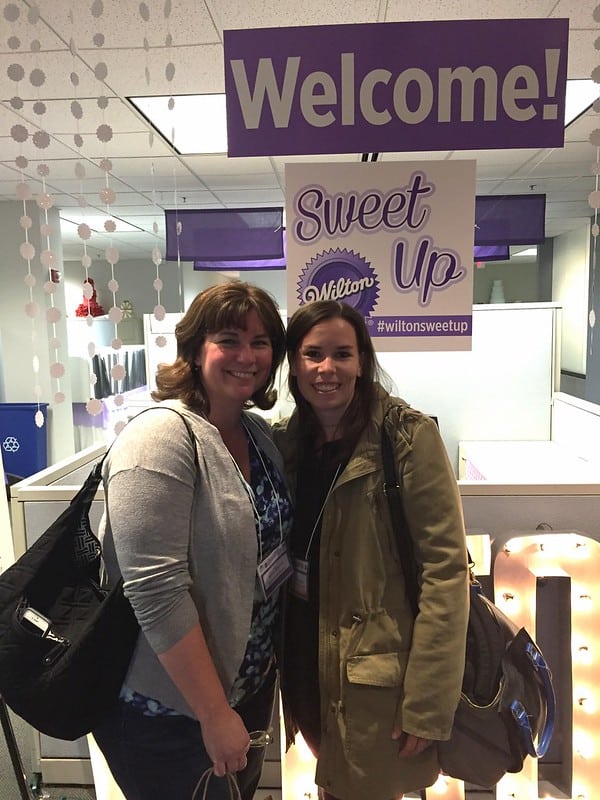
{"points": [[359, 680], [198, 532]]}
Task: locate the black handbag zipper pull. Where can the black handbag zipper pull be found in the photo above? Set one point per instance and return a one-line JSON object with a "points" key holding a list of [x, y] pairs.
{"points": [[55, 653]]}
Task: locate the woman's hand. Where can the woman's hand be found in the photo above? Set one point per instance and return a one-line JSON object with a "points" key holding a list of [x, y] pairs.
{"points": [[190, 666], [226, 740], [409, 745]]}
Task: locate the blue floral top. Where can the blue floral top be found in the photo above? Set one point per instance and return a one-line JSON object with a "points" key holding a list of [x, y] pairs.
{"points": [[272, 504]]}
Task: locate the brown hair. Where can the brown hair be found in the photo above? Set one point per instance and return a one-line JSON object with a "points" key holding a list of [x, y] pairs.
{"points": [[225, 305], [360, 409]]}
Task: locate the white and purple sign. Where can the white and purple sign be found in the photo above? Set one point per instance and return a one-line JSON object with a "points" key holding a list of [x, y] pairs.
{"points": [[396, 86], [392, 239]]}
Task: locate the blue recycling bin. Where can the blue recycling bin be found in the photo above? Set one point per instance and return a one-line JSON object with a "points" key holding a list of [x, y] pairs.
{"points": [[24, 445]]}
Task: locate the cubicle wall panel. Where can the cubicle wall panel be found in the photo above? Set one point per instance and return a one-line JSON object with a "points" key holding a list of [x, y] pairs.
{"points": [[40, 515], [501, 389]]}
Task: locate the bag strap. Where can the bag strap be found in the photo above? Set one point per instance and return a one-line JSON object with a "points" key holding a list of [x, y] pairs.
{"points": [[202, 785], [96, 473], [391, 489], [86, 494], [519, 713]]}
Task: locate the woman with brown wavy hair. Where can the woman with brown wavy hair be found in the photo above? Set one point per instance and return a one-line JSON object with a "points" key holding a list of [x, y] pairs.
{"points": [[196, 522], [370, 686]]}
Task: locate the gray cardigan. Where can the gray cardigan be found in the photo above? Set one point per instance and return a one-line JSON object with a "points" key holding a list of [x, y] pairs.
{"points": [[185, 544]]}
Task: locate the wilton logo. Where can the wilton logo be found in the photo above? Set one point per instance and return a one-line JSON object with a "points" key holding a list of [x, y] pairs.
{"points": [[339, 275]]}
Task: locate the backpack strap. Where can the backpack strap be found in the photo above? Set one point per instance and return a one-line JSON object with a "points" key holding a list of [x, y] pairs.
{"points": [[391, 489]]}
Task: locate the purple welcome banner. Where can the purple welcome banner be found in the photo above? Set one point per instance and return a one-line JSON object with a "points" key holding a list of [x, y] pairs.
{"points": [[396, 86]]}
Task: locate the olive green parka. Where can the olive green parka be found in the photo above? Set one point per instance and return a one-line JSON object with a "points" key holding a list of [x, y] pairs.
{"points": [[378, 667]]}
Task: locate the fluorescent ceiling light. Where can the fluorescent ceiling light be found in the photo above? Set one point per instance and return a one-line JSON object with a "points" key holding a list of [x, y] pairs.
{"points": [[192, 123], [197, 123], [96, 222], [580, 96]]}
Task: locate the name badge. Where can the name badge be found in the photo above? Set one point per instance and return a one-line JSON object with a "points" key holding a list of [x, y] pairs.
{"points": [[299, 583], [275, 569]]}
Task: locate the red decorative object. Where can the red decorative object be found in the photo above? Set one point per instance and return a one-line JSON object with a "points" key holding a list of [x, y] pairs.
{"points": [[90, 307]]}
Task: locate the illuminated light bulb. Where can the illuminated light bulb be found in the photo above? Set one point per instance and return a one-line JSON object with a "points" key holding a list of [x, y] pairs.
{"points": [[587, 704], [513, 546], [582, 550], [583, 746], [584, 602], [584, 654]]}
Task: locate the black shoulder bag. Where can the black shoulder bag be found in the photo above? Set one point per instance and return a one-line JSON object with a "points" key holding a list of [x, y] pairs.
{"points": [[507, 698], [66, 636]]}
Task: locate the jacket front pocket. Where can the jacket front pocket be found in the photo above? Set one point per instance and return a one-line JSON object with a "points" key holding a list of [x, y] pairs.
{"points": [[375, 669], [372, 692]]}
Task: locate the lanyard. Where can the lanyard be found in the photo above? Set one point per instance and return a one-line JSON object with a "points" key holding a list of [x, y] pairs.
{"points": [[250, 493], [316, 525], [268, 474]]}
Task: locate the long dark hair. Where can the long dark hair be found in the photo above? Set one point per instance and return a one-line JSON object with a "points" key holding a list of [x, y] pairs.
{"points": [[225, 305], [361, 407]]}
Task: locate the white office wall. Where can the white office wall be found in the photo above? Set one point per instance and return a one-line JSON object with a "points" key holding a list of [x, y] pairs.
{"points": [[570, 286]]}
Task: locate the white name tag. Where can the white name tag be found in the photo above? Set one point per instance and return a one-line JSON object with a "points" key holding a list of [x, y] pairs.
{"points": [[275, 569], [299, 584]]}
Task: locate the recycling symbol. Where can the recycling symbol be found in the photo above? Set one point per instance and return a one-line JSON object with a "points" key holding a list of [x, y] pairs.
{"points": [[10, 444]]}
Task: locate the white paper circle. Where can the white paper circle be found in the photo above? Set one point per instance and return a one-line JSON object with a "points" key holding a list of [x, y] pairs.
{"points": [[48, 258], [94, 407], [53, 314], [83, 230], [57, 370], [41, 139], [23, 191], [27, 251], [115, 314], [117, 372], [594, 199], [19, 133], [112, 255]]}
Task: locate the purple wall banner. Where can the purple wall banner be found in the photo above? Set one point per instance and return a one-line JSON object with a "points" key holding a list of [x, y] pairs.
{"points": [[396, 86], [224, 234], [510, 219], [241, 266], [491, 252]]}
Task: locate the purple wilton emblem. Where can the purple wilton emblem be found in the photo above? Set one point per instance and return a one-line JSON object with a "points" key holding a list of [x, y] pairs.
{"points": [[339, 275]]}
